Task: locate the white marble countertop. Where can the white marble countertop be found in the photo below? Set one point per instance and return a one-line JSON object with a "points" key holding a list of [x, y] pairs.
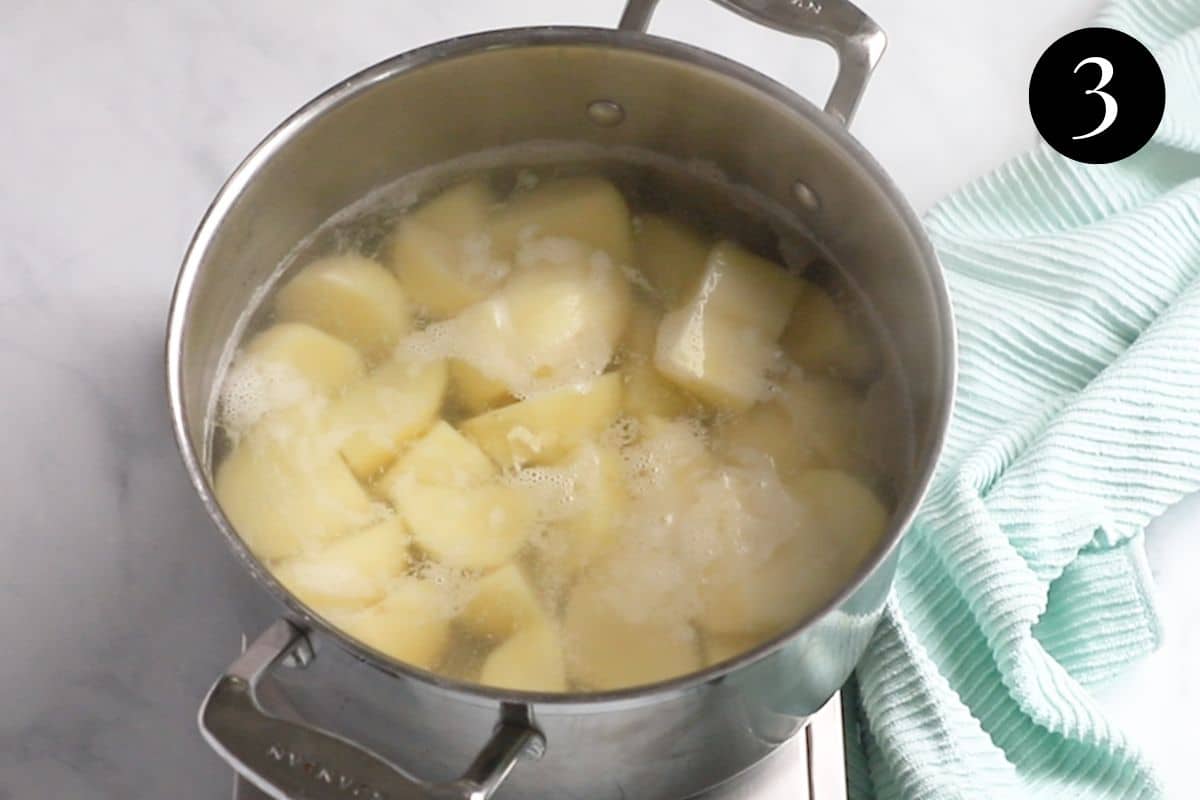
{"points": [[121, 120]]}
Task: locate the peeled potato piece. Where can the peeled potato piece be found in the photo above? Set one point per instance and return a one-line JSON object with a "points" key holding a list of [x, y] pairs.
{"points": [[600, 500], [531, 660], [821, 338], [373, 418], [750, 290], [565, 312], [475, 391], [410, 624], [555, 322], [503, 603], [840, 521], [671, 256], [352, 572], [543, 429], [440, 252], [460, 210], [351, 297], [607, 651], [442, 456], [719, 648], [587, 210], [811, 421], [646, 391], [847, 517], [285, 365], [469, 528], [284, 493], [721, 361]]}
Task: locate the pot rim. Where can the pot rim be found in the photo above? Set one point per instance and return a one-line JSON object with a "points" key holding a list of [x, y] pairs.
{"points": [[556, 35]]}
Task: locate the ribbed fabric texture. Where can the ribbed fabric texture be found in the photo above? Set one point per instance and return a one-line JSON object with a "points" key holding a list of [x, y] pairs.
{"points": [[1023, 581]]}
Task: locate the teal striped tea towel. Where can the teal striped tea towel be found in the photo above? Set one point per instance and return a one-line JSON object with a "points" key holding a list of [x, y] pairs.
{"points": [[1023, 582]]}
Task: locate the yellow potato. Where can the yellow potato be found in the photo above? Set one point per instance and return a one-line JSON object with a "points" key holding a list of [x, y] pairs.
{"points": [[812, 421], [600, 501], [352, 572], [351, 297], [502, 603], [373, 418], [461, 210], [636, 345], [607, 651], [587, 210], [719, 360], [440, 252], [844, 515], [671, 256], [325, 363], [475, 391], [531, 661], [563, 312], [826, 416], [718, 648], [410, 624], [543, 429], [555, 322], [469, 528], [821, 338], [282, 366], [746, 289], [839, 521], [647, 393], [442, 456], [285, 493]]}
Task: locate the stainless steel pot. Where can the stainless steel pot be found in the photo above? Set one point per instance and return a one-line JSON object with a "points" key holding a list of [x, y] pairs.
{"points": [[456, 97]]}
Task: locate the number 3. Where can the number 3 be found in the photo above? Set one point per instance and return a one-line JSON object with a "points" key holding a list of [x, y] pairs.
{"points": [[1110, 103]]}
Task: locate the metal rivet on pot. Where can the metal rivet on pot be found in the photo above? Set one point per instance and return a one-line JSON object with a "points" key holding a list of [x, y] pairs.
{"points": [[807, 197], [606, 113], [301, 655]]}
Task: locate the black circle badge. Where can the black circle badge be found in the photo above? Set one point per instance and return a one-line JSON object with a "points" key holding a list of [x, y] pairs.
{"points": [[1097, 95]]}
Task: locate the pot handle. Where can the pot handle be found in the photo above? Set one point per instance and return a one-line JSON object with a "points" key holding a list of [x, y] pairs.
{"points": [[859, 42], [293, 761]]}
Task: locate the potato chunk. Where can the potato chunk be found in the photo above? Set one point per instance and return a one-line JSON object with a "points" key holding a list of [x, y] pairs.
{"points": [[351, 297], [807, 422], [285, 365], [442, 456], [599, 503], [747, 289], [531, 661], [556, 322], [606, 650], [475, 391], [821, 338], [440, 253], [719, 360], [587, 210], [671, 256], [543, 429], [839, 521], [285, 493], [503, 603], [841, 509], [460, 210], [411, 623], [352, 572], [373, 418], [325, 363], [471, 528]]}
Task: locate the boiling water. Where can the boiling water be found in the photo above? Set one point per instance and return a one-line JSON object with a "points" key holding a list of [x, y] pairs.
{"points": [[710, 539]]}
